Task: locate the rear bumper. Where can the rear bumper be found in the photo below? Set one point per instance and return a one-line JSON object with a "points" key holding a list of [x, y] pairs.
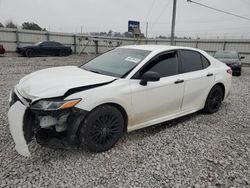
{"points": [[20, 51], [235, 68], [2, 51]]}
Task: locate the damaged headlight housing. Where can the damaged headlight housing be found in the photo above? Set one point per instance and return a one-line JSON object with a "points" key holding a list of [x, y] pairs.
{"points": [[49, 105]]}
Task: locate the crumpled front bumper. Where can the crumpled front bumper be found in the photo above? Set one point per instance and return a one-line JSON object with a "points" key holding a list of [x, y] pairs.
{"points": [[16, 117], [25, 125]]}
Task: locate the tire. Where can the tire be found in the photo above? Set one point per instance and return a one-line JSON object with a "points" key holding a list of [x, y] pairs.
{"points": [[61, 53], [29, 53], [214, 99], [238, 73], [23, 54], [102, 128]]}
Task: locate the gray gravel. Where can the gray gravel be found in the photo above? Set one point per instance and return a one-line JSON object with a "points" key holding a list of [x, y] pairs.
{"points": [[198, 150]]}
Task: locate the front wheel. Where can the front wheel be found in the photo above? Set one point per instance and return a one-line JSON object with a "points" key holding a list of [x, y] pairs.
{"points": [[214, 100], [102, 128]]}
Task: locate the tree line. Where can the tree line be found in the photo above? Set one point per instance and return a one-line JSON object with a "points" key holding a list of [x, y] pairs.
{"points": [[34, 26], [25, 25]]}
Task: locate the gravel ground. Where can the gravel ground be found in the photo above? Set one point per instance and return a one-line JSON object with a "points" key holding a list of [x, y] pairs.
{"points": [[198, 150]]}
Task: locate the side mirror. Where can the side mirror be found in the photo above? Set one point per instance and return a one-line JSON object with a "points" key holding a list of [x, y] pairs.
{"points": [[242, 57], [149, 77]]}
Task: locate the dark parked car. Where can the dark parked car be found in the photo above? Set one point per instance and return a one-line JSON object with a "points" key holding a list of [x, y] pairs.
{"points": [[232, 59], [2, 50], [46, 48]]}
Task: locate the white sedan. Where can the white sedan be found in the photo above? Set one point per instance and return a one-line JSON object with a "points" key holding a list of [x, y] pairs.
{"points": [[125, 89]]}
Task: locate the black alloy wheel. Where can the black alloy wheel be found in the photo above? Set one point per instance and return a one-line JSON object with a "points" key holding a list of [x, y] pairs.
{"points": [[102, 128], [214, 99]]}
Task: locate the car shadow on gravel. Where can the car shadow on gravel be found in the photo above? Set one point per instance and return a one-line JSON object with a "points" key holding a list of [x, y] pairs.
{"points": [[131, 137], [154, 129]]}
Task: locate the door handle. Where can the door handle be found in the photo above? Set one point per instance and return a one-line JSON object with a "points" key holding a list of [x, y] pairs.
{"points": [[178, 81], [210, 74]]}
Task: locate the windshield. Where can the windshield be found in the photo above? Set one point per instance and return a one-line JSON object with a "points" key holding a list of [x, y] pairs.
{"points": [[38, 43], [117, 62], [226, 55]]}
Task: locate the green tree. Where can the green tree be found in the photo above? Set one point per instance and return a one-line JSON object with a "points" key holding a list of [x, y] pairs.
{"points": [[110, 33], [10, 24], [32, 26]]}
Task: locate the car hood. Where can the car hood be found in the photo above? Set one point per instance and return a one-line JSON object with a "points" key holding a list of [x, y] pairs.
{"points": [[229, 61], [55, 82]]}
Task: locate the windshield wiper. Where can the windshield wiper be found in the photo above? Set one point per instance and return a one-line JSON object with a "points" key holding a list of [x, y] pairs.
{"points": [[95, 71], [92, 71]]}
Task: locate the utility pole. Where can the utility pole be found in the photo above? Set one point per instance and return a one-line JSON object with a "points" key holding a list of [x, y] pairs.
{"points": [[147, 30], [173, 22]]}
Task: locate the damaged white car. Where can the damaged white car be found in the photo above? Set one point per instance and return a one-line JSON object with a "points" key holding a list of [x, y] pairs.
{"points": [[122, 90]]}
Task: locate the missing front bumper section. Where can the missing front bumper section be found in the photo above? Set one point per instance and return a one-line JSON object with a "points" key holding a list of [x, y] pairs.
{"points": [[47, 135]]}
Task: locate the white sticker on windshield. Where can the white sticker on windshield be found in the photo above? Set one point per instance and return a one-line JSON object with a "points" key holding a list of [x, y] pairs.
{"points": [[133, 59]]}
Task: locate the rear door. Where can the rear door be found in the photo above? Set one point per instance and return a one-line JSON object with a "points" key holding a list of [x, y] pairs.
{"points": [[45, 48], [198, 79], [161, 98], [52, 48]]}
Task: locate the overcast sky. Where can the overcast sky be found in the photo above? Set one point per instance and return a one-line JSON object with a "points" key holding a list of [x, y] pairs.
{"points": [[103, 15]]}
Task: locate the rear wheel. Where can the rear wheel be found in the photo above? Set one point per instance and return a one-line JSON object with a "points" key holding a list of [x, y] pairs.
{"points": [[214, 100], [29, 53], [102, 128], [61, 53]]}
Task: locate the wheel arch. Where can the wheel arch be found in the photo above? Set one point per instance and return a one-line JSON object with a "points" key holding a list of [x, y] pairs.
{"points": [[222, 86], [223, 89]]}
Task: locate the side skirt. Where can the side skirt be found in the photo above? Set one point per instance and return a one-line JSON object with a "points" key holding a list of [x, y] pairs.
{"points": [[160, 120]]}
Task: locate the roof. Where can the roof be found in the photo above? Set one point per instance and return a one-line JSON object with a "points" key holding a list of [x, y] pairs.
{"points": [[157, 47]]}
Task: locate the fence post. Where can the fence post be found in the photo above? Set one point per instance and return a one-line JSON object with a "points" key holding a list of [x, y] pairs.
{"points": [[47, 36], [17, 39], [74, 43], [224, 45], [96, 46], [196, 44]]}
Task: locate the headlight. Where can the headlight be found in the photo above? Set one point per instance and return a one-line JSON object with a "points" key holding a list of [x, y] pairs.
{"points": [[54, 105]]}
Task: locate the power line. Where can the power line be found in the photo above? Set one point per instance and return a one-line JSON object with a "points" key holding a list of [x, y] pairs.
{"points": [[163, 10], [161, 13], [218, 10], [150, 9]]}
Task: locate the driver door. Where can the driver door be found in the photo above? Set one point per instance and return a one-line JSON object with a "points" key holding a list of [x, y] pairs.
{"points": [[159, 99]]}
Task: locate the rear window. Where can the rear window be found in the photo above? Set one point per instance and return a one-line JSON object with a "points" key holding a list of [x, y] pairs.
{"points": [[205, 62], [226, 55]]}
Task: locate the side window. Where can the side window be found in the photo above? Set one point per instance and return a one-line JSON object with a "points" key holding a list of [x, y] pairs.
{"points": [[190, 60], [165, 65], [46, 44], [52, 44], [205, 62], [59, 44]]}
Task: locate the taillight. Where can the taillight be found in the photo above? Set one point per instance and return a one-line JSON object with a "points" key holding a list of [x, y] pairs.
{"points": [[229, 71]]}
